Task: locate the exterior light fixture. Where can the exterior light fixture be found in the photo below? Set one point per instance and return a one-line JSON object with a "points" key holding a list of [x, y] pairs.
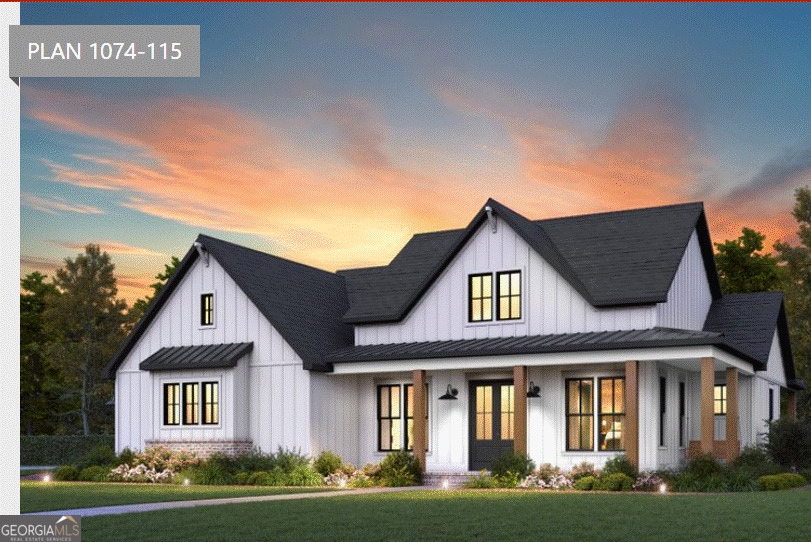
{"points": [[450, 394], [533, 390], [46, 478], [186, 482], [663, 489], [446, 484]]}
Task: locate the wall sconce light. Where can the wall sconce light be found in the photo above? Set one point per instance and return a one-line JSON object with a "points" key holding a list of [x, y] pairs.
{"points": [[450, 393], [533, 390]]}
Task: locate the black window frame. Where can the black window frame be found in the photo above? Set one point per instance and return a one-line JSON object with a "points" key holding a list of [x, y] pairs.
{"points": [[186, 410], [662, 409], [210, 403], [719, 404], [481, 298], [171, 408], [509, 295], [390, 418], [771, 404], [191, 403], [613, 415], [207, 309], [582, 416]]}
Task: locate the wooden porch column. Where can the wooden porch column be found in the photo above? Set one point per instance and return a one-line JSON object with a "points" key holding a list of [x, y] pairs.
{"points": [[418, 376], [732, 449], [707, 410], [520, 405], [791, 406], [631, 428]]}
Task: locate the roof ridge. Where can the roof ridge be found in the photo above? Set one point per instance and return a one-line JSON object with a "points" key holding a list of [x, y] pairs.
{"points": [[267, 254], [622, 211]]}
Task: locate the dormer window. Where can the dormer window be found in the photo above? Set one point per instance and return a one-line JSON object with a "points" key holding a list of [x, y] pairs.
{"points": [[480, 288], [509, 295], [506, 296], [207, 309]]}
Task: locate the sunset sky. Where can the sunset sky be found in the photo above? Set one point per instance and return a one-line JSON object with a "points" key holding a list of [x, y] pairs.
{"points": [[329, 134]]}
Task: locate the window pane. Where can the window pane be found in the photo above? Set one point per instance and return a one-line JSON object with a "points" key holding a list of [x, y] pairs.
{"points": [[504, 284], [487, 286], [515, 283], [395, 401], [396, 434], [586, 397], [476, 286], [487, 309], [385, 434], [211, 414], [191, 403], [503, 307], [515, 307], [507, 412], [385, 409], [476, 310]]}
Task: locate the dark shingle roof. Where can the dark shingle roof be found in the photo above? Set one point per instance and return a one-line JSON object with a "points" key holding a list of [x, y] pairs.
{"points": [[749, 321], [304, 304], [539, 344], [612, 259], [208, 356]]}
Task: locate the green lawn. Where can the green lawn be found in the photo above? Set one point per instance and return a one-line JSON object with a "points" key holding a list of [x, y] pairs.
{"points": [[471, 515], [39, 496]]}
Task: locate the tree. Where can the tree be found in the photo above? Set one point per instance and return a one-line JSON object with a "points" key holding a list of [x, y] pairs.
{"points": [[139, 307], [87, 322], [797, 265], [38, 378], [743, 268]]}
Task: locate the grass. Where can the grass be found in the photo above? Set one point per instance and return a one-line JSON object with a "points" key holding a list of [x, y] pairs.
{"points": [[477, 515], [39, 496]]}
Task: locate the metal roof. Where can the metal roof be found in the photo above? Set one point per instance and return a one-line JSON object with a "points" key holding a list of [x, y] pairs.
{"points": [[538, 344], [207, 356]]}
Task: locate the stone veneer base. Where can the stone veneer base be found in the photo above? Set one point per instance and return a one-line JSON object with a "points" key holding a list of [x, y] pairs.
{"points": [[204, 448]]}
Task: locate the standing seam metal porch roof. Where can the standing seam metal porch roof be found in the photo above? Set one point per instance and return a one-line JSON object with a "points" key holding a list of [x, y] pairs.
{"points": [[208, 356]]}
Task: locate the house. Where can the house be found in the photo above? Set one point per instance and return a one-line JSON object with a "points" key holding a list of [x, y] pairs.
{"points": [[571, 339]]}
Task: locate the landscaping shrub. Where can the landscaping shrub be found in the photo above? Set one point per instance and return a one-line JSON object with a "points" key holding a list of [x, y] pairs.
{"points": [[304, 475], [399, 469], [648, 482], [582, 470], [288, 459], [160, 458], [686, 482], [274, 477], [547, 477], [715, 483], [102, 456], [59, 449], [94, 473], [618, 481], [585, 483], [507, 462], [126, 457], [620, 463], [789, 443], [806, 474], [755, 461], [215, 471], [327, 463], [741, 479], [480, 481], [252, 461], [66, 473], [786, 480], [241, 478], [703, 466], [508, 480]]}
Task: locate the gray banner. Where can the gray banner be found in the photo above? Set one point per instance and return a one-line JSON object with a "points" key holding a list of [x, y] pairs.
{"points": [[40, 529], [104, 51]]}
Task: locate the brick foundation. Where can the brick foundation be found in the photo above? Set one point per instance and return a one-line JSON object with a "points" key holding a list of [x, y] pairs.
{"points": [[204, 448]]}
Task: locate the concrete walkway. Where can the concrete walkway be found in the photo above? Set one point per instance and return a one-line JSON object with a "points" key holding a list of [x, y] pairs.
{"points": [[172, 505]]}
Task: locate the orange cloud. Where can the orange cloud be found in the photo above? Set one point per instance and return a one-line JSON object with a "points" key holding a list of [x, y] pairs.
{"points": [[111, 247], [56, 205]]}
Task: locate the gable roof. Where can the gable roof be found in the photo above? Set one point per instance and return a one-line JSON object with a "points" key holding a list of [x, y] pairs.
{"points": [[612, 259], [304, 304], [749, 321], [206, 356]]}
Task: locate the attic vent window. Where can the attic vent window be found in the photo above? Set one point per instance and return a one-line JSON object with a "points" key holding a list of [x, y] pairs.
{"points": [[207, 310]]}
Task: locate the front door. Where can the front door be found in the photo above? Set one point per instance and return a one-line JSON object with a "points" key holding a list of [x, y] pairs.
{"points": [[492, 415]]}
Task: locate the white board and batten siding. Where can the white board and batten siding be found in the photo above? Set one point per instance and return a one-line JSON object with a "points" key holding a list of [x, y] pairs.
{"points": [[549, 303], [265, 398], [689, 297]]}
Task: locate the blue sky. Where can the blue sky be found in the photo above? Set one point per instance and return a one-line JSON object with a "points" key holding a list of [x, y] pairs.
{"points": [[330, 134]]}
